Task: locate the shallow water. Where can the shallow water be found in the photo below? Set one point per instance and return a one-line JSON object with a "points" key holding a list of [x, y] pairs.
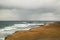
{"points": [[15, 27]]}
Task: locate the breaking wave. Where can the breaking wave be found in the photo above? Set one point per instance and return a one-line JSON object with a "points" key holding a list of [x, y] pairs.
{"points": [[11, 29]]}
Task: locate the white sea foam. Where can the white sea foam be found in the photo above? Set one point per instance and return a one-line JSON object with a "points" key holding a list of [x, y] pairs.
{"points": [[11, 29], [1, 38]]}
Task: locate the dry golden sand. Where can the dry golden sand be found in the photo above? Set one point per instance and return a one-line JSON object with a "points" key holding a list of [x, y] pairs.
{"points": [[48, 31]]}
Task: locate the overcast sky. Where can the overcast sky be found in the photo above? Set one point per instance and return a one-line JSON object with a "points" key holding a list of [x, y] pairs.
{"points": [[30, 10]]}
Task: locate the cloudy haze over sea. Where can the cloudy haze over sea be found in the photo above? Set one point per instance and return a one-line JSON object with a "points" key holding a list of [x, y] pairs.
{"points": [[13, 12], [30, 10]]}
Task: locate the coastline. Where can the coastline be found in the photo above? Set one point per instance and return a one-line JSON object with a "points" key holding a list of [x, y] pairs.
{"points": [[48, 31]]}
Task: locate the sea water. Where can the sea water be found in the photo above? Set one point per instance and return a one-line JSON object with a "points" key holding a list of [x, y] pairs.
{"points": [[9, 27]]}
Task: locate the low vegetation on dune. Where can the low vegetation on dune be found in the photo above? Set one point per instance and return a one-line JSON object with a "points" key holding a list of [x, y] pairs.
{"points": [[48, 31]]}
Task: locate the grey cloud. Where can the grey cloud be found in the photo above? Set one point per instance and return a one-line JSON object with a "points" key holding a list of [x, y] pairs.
{"points": [[29, 9], [27, 4]]}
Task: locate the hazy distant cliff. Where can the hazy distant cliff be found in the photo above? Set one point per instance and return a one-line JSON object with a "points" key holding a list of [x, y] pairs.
{"points": [[48, 31]]}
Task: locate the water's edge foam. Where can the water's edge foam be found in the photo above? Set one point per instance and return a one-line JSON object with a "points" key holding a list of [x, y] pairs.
{"points": [[11, 29]]}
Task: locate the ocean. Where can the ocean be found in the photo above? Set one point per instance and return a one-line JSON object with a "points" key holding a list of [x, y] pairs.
{"points": [[9, 27]]}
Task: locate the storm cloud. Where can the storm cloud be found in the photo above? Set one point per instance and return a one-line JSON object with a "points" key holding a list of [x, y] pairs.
{"points": [[30, 10]]}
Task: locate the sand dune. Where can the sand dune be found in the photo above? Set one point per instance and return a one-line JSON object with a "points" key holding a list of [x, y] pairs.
{"points": [[48, 31]]}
